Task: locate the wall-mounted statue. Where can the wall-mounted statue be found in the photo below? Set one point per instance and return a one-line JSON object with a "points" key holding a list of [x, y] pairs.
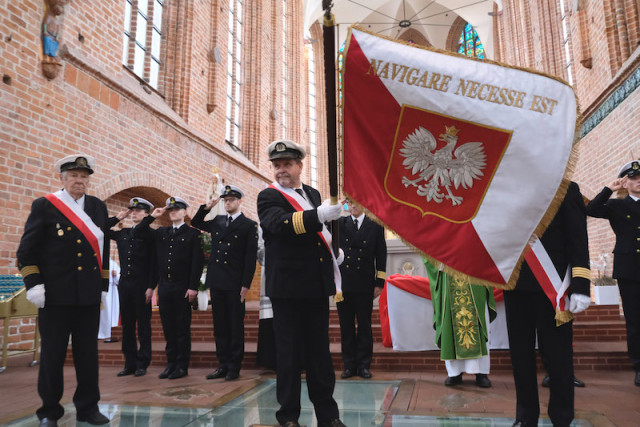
{"points": [[51, 36], [216, 188]]}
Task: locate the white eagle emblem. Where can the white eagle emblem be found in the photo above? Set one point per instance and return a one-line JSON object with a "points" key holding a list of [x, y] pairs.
{"points": [[444, 167]]}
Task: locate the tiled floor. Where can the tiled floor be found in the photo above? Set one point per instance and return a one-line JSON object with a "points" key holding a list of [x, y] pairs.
{"points": [[398, 399]]}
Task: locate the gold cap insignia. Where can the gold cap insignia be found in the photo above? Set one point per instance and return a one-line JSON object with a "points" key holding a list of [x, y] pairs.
{"points": [[172, 200], [635, 165], [280, 146], [81, 161]]}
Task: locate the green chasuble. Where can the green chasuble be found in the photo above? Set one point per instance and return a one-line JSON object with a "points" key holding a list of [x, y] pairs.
{"points": [[459, 315]]}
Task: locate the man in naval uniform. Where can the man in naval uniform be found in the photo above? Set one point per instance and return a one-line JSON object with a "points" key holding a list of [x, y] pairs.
{"points": [[530, 314], [234, 246], [624, 217], [136, 249], [363, 276], [64, 261], [179, 263], [301, 275]]}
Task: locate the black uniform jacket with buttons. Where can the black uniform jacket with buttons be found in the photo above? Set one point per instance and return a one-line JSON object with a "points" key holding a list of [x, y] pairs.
{"points": [[233, 250], [54, 252], [365, 255], [297, 262], [179, 258], [624, 217], [136, 250], [566, 242]]}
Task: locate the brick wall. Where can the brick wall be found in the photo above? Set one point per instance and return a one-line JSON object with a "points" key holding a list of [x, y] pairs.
{"points": [[21, 333]]}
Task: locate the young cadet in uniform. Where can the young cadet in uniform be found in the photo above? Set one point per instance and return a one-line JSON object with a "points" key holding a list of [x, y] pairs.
{"points": [[234, 246], [300, 278], [136, 249], [179, 263], [530, 313], [363, 275], [624, 217], [64, 261]]}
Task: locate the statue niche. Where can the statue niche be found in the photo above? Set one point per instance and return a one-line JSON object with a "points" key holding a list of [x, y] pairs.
{"points": [[52, 24]]}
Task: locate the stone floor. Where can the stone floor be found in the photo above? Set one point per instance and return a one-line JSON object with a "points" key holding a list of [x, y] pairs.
{"points": [[395, 399]]}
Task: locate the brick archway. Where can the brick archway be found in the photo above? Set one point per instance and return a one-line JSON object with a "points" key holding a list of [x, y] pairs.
{"points": [[454, 34], [128, 180], [415, 36]]}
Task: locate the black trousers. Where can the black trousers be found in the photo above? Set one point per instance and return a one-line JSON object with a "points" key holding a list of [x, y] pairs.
{"points": [[56, 324], [228, 328], [630, 294], [134, 311], [357, 345], [175, 314], [530, 314], [296, 323]]}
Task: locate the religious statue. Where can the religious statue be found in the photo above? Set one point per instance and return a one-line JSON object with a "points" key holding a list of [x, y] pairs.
{"points": [[216, 188], [51, 35]]}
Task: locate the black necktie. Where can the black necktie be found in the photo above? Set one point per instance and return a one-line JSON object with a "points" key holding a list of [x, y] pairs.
{"points": [[299, 191], [229, 220], [355, 223], [172, 232]]}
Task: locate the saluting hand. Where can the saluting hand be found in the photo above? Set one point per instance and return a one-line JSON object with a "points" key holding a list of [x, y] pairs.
{"points": [[212, 203], [158, 211], [123, 214], [618, 183]]}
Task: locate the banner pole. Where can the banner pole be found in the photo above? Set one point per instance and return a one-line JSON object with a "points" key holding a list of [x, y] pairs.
{"points": [[328, 34]]}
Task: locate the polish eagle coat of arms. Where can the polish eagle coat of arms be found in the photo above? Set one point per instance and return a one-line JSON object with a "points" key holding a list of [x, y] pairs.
{"points": [[440, 169]]}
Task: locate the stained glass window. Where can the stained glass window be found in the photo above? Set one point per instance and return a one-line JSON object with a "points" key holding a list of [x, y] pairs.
{"points": [[469, 43]]}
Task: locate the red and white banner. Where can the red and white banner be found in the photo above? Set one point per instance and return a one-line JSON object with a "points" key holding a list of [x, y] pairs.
{"points": [[406, 316], [461, 158]]}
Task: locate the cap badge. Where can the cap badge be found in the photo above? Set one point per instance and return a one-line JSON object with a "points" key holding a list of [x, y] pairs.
{"points": [[635, 165], [280, 146], [172, 200], [135, 202], [81, 161]]}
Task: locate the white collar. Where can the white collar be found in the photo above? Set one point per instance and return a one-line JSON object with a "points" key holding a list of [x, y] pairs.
{"points": [[79, 202], [235, 215], [177, 226], [360, 218], [635, 199]]}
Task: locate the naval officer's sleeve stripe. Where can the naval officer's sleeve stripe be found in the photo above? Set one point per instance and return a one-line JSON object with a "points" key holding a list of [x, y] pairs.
{"points": [[381, 275], [298, 223], [105, 274], [29, 270], [581, 272]]}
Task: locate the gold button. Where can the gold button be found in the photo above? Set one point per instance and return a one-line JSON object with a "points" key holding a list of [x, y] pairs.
{"points": [[169, 276], [79, 241], [95, 254], [68, 228], [79, 268], [168, 268], [228, 244], [348, 257], [169, 253], [95, 268], [225, 262], [321, 260], [319, 244], [347, 265], [286, 221], [628, 216], [638, 250], [364, 241], [79, 254]]}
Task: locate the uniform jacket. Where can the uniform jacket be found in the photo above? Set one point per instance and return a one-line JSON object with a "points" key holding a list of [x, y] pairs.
{"points": [[136, 249], [624, 217], [298, 265], [179, 258], [566, 242], [233, 250], [54, 252], [365, 255]]}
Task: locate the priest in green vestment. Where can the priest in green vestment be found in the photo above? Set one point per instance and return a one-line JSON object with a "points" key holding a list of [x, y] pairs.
{"points": [[459, 318]]}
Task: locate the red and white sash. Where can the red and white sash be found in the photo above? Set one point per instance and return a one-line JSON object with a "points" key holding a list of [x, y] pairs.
{"points": [[72, 211], [545, 272], [300, 204]]}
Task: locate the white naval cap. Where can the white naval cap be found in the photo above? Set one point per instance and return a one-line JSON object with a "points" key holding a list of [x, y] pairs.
{"points": [[232, 190], [285, 149], [630, 169], [76, 161], [140, 203], [176, 203]]}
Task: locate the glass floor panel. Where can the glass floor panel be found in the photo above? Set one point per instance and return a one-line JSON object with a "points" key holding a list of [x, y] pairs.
{"points": [[361, 403]]}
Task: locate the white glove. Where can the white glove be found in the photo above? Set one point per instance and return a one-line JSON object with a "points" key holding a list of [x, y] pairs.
{"points": [[36, 295], [327, 212], [104, 296], [578, 303], [340, 257]]}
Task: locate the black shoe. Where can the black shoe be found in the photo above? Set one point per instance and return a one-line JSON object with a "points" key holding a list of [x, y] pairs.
{"points": [[218, 373], [112, 339], [178, 373], [577, 382], [48, 422], [363, 373], [165, 374], [637, 380], [126, 371], [453, 380], [483, 381], [334, 423], [519, 423], [291, 424], [347, 373], [546, 381], [95, 419], [140, 372], [231, 375]]}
